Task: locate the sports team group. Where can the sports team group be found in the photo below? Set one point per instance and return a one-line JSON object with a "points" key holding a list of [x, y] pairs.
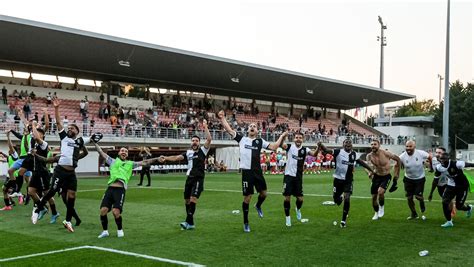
{"points": [[32, 163]]}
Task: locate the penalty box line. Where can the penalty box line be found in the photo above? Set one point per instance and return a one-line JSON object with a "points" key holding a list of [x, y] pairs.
{"points": [[104, 249], [237, 191]]}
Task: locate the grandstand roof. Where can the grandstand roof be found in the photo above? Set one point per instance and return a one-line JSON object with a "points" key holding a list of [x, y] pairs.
{"points": [[44, 48]]}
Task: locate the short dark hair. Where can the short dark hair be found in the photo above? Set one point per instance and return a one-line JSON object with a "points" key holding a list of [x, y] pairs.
{"points": [[195, 136], [442, 148], [376, 140], [75, 126], [299, 133]]}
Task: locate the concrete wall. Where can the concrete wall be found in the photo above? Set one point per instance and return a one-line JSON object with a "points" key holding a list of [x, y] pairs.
{"points": [[424, 137]]}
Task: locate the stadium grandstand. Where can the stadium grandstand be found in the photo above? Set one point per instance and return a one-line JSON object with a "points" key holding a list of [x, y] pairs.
{"points": [[139, 94]]}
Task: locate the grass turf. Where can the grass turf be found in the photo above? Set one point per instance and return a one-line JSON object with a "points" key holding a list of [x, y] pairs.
{"points": [[152, 215]]}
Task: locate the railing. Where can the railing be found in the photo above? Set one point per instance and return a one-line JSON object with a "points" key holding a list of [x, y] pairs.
{"points": [[185, 133]]}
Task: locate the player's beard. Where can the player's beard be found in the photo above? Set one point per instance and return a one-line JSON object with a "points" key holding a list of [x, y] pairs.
{"points": [[194, 147], [375, 150], [70, 134]]}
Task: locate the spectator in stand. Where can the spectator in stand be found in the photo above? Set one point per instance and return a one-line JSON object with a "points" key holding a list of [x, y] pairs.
{"points": [[113, 122], [16, 94], [106, 111], [33, 95], [55, 95], [86, 105], [4, 95], [102, 98], [12, 106], [49, 99], [115, 103], [82, 105], [27, 109]]}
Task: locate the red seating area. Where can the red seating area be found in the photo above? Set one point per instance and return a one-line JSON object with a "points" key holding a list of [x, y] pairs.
{"points": [[69, 108]]}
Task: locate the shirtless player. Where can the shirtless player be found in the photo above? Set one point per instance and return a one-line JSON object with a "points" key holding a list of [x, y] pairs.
{"points": [[380, 161]]}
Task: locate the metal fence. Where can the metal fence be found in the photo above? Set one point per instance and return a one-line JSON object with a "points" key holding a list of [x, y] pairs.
{"points": [[187, 133]]}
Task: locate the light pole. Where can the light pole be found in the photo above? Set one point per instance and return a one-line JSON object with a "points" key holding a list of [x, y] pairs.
{"points": [[446, 87], [383, 42], [440, 79]]}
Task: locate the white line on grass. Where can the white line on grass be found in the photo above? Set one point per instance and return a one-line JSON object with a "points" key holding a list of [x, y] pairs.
{"points": [[238, 191], [42, 254], [104, 249]]}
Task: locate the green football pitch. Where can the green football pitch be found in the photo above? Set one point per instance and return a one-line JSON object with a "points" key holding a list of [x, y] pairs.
{"points": [[153, 237]]}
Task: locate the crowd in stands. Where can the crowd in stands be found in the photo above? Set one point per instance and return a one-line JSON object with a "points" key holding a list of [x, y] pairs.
{"points": [[183, 122]]}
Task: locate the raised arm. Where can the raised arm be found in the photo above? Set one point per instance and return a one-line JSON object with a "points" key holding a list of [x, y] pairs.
{"points": [[46, 119], [163, 159], [59, 124], [207, 144], [325, 149], [221, 116], [468, 165], [274, 146], [101, 152], [36, 135], [148, 161], [17, 134], [22, 116], [11, 147]]}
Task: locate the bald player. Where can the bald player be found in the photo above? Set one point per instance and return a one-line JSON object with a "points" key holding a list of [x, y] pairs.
{"points": [[413, 160]]}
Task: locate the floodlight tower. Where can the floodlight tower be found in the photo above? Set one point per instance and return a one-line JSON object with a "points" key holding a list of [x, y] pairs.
{"points": [[383, 42]]}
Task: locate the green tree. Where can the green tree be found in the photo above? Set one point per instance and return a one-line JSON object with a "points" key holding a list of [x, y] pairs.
{"points": [[461, 114], [417, 108]]}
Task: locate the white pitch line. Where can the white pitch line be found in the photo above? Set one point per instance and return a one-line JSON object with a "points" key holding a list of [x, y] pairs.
{"points": [[108, 250], [146, 256], [42, 254], [238, 191]]}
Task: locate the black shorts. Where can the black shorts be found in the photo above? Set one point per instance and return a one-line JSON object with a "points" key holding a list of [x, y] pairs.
{"points": [[40, 180], [114, 197], [342, 186], [251, 179], [28, 163], [380, 181], [13, 185], [193, 187], [63, 179], [441, 189], [293, 186], [414, 187], [460, 193]]}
